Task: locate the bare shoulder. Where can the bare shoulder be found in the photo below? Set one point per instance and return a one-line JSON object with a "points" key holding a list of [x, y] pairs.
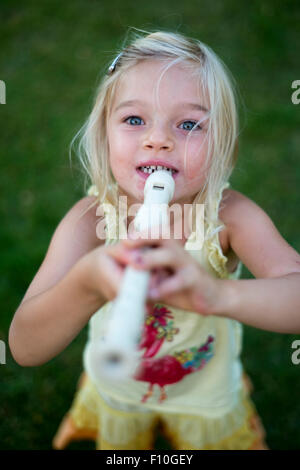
{"points": [[79, 226], [231, 204], [252, 236], [83, 218], [75, 235]]}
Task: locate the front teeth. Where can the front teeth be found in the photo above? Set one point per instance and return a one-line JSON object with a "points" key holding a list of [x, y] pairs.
{"points": [[151, 169]]}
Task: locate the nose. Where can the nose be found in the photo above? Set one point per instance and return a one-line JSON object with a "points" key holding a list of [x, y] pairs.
{"points": [[157, 139]]}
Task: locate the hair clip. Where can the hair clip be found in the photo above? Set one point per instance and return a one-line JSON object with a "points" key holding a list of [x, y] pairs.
{"points": [[112, 67]]}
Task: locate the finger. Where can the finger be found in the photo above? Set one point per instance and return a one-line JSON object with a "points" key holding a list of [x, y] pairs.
{"points": [[159, 258], [153, 260], [179, 282], [121, 254], [164, 241], [157, 276], [166, 288]]}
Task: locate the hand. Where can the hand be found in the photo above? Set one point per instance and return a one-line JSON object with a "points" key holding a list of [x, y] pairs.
{"points": [[176, 277], [103, 270]]}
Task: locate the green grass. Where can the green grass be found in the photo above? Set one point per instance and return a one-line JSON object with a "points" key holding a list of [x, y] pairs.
{"points": [[51, 58]]}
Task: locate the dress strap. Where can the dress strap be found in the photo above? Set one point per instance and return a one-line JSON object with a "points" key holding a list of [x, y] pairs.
{"points": [[111, 217], [212, 243]]}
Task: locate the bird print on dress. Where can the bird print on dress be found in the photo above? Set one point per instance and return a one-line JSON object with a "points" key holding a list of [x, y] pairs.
{"points": [[169, 369]]}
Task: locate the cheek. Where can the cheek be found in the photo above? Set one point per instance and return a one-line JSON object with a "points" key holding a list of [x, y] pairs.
{"points": [[195, 159], [118, 167], [121, 144], [119, 161]]}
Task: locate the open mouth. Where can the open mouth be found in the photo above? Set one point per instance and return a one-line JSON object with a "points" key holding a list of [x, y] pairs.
{"points": [[150, 169]]}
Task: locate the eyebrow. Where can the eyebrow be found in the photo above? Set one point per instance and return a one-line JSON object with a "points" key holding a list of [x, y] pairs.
{"points": [[195, 106]]}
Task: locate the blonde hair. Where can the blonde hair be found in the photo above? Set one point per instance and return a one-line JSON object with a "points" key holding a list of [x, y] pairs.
{"points": [[214, 79]]}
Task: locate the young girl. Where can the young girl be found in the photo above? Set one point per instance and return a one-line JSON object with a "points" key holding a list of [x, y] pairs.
{"points": [[166, 101]]}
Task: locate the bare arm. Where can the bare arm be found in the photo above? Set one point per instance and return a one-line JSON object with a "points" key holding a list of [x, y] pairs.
{"points": [[272, 300], [268, 304], [57, 304]]}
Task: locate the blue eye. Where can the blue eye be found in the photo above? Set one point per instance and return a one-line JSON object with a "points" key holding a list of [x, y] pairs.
{"points": [[134, 120], [191, 125]]}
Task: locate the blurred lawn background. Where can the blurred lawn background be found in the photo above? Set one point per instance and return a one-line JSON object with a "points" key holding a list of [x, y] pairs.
{"points": [[51, 57]]}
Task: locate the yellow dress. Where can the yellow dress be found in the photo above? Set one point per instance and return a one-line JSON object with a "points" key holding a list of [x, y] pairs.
{"points": [[192, 385]]}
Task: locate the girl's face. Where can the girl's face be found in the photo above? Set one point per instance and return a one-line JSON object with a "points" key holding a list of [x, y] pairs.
{"points": [[149, 125]]}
